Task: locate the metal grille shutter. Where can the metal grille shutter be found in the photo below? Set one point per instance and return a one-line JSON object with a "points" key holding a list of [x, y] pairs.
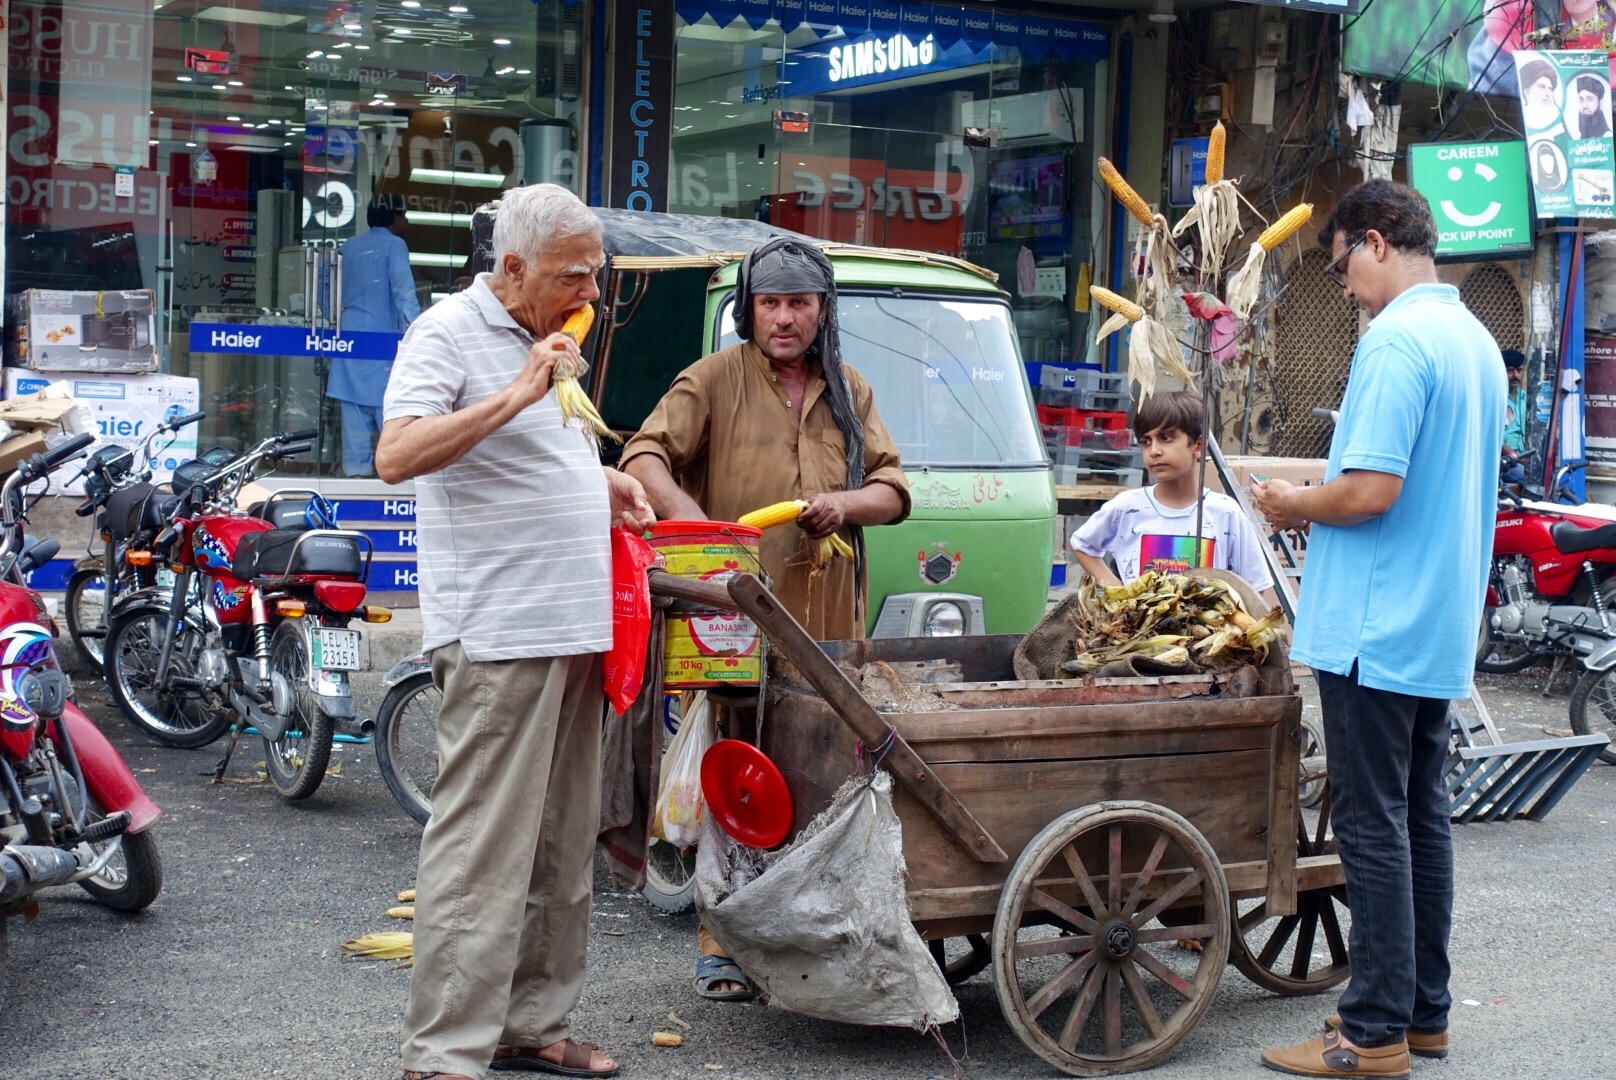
{"points": [[1490, 292], [1317, 330]]}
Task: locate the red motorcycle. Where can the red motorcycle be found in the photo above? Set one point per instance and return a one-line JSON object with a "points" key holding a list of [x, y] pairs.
{"points": [[1552, 587], [254, 632], [71, 811]]}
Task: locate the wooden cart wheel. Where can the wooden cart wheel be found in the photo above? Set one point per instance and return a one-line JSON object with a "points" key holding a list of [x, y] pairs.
{"points": [[1087, 974], [960, 969], [1305, 953]]}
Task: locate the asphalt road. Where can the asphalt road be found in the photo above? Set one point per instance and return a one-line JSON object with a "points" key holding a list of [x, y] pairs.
{"points": [[236, 971]]}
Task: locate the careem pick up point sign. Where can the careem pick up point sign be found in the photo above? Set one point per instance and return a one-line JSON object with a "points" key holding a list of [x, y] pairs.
{"points": [[1478, 194]]}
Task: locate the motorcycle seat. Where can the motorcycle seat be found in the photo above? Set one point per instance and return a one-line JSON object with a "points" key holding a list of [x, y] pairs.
{"points": [[269, 554], [141, 507], [1571, 538], [283, 514]]}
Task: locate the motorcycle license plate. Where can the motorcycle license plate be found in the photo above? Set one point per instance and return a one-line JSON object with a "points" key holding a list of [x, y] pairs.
{"points": [[165, 578], [334, 650]]}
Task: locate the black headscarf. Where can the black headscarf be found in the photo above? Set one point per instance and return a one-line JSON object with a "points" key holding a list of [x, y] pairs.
{"points": [[788, 267]]}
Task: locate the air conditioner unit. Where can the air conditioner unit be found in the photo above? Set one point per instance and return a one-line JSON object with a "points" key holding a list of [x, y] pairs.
{"points": [[1050, 115]]}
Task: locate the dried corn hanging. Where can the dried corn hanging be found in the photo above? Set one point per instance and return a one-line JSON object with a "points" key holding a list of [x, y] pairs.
{"points": [[1122, 311], [1214, 153], [1152, 349], [1125, 194], [1217, 214], [570, 396], [1245, 284]]}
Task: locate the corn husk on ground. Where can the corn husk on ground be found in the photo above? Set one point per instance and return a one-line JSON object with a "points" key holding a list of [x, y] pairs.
{"points": [[387, 944], [570, 395], [1177, 620]]}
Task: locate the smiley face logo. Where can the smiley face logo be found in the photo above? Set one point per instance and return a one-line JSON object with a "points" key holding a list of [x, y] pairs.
{"points": [[1473, 221]]}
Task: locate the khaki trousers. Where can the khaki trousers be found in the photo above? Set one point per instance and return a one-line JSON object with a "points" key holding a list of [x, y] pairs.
{"points": [[507, 859]]}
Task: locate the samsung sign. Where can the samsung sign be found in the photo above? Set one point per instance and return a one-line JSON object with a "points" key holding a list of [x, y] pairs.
{"points": [[889, 57]]}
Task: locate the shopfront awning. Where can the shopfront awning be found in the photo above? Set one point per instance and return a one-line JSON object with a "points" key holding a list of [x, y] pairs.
{"points": [[1033, 36]]}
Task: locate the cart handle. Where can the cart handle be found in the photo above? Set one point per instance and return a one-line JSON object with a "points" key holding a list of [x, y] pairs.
{"points": [[747, 594]]}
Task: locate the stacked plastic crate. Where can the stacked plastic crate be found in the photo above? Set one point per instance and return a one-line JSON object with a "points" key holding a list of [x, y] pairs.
{"points": [[1084, 415]]}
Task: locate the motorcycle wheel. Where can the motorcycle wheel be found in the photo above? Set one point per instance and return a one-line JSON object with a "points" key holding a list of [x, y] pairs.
{"points": [[1498, 657], [86, 610], [670, 878], [407, 743], [134, 876], [1593, 708], [296, 762], [181, 718]]}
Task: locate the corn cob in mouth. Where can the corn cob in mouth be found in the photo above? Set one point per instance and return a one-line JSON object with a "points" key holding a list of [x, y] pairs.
{"points": [[570, 395]]}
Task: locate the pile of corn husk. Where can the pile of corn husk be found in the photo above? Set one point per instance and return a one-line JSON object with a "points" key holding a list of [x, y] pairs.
{"points": [[1178, 621]]}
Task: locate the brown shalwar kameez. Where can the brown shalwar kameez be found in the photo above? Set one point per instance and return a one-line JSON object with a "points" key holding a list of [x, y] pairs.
{"points": [[734, 445]]}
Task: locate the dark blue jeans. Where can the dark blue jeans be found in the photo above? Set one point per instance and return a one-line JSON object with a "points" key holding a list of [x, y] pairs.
{"points": [[1389, 808]]}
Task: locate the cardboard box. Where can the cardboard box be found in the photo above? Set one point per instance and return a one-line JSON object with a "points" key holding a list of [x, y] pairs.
{"points": [[124, 409], [55, 330], [21, 447], [1303, 472]]}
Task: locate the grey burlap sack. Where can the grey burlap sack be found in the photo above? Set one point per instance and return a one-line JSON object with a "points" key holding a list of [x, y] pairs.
{"points": [[822, 926], [1049, 644]]}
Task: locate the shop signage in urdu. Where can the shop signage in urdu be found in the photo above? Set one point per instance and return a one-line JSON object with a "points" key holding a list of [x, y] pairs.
{"points": [[1478, 195], [1565, 101], [251, 340]]}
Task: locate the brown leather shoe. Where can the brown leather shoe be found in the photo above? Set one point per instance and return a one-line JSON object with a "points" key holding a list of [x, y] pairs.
{"points": [[1420, 1043], [1332, 1055]]}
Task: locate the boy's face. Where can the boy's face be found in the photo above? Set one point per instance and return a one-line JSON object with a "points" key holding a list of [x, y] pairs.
{"points": [[1168, 453]]}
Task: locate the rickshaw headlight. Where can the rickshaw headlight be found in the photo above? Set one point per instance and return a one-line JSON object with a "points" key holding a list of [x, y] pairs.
{"points": [[944, 619]]}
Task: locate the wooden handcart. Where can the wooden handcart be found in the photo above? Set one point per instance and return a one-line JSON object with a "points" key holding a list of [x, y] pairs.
{"points": [[1105, 846]]}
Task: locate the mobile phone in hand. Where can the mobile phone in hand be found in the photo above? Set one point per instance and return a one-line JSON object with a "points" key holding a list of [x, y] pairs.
{"points": [[1258, 478]]}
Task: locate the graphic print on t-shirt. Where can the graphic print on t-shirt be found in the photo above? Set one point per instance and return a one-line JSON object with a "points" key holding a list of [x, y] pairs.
{"points": [[1173, 554]]}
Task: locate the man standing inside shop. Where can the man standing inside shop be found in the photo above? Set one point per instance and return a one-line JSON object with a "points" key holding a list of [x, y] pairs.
{"points": [[378, 293], [1396, 572], [777, 417], [513, 516]]}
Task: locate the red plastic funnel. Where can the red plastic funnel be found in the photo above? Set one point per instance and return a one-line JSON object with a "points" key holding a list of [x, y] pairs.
{"points": [[745, 793]]}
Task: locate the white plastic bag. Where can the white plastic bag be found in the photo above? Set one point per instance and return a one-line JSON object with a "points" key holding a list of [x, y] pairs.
{"points": [[680, 806]]}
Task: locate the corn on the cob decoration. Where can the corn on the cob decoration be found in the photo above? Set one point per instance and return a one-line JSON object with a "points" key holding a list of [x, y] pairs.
{"points": [[1215, 145], [1123, 311], [774, 514], [1124, 192], [575, 404], [1283, 229], [1245, 284]]}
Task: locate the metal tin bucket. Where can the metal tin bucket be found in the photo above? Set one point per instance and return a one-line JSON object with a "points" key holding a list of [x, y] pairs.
{"points": [[709, 648]]}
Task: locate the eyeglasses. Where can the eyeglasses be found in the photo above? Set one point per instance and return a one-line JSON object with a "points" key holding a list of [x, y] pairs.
{"points": [[1337, 270]]}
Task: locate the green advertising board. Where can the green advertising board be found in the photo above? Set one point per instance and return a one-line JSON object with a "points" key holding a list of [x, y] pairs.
{"points": [[1479, 196]]}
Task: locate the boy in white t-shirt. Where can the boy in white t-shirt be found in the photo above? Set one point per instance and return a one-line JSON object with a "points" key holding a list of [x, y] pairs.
{"points": [[1151, 528]]}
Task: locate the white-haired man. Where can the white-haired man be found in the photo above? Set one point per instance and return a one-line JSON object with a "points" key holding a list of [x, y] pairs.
{"points": [[512, 521]]}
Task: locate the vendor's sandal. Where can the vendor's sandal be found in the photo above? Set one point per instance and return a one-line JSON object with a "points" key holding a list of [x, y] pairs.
{"points": [[411, 1074], [711, 970], [577, 1059], [1332, 1055]]}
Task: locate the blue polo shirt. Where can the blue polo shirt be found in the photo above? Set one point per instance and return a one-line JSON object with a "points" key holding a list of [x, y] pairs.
{"points": [[1401, 594], [378, 293]]}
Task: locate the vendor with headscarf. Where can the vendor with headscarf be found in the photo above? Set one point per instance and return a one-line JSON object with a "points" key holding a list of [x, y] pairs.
{"points": [[776, 417]]}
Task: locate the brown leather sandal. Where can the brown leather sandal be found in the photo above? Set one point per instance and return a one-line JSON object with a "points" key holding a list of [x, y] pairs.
{"points": [[575, 1059]]}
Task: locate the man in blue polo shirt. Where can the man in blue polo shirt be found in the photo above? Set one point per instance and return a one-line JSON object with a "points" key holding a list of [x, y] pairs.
{"points": [[378, 293], [1396, 574]]}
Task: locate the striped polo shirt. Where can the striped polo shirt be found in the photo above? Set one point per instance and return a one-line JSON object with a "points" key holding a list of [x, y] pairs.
{"points": [[512, 539]]}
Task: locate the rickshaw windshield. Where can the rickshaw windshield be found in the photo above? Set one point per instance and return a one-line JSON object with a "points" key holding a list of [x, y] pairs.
{"points": [[947, 377]]}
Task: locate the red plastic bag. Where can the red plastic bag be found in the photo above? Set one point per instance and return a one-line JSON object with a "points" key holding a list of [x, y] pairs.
{"points": [[631, 618]]}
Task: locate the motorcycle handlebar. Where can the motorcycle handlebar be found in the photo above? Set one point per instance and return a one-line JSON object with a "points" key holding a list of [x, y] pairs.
{"points": [[86, 508], [186, 421], [41, 464], [298, 436], [293, 449]]}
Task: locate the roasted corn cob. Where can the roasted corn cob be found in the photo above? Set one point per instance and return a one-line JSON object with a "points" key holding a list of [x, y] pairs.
{"points": [[575, 404], [1214, 153], [774, 514], [1283, 229], [1125, 194]]}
